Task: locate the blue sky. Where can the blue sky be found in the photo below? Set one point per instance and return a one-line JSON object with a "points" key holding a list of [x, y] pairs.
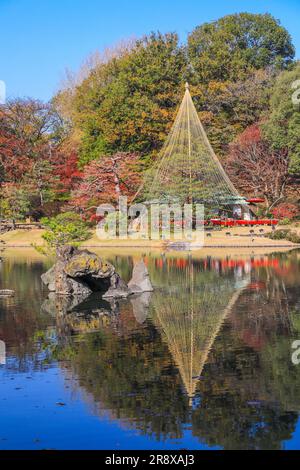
{"points": [[41, 38]]}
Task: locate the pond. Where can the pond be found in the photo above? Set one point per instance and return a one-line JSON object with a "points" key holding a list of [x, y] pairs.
{"points": [[206, 361]]}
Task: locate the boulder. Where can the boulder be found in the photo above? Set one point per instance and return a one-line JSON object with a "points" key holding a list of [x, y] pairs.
{"points": [[66, 285], [79, 272], [48, 279], [118, 288], [85, 264], [140, 281]]}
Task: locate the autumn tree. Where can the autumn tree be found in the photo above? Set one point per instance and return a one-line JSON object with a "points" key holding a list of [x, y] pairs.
{"points": [[27, 127], [227, 108], [128, 103], [31, 133], [105, 179], [233, 64], [65, 172], [14, 161], [14, 201], [258, 169]]}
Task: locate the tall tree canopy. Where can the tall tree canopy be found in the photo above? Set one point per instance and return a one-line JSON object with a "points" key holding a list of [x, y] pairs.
{"points": [[283, 121], [124, 103], [28, 128], [227, 49], [128, 103], [34, 166], [233, 62]]}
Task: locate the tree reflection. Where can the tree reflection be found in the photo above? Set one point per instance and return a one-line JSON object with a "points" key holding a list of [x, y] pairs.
{"points": [[220, 337], [209, 349]]}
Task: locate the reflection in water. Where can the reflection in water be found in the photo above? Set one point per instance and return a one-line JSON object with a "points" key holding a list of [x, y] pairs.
{"points": [[191, 318], [204, 359]]}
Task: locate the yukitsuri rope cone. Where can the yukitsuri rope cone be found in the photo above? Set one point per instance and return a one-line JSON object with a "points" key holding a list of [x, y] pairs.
{"points": [[187, 169]]}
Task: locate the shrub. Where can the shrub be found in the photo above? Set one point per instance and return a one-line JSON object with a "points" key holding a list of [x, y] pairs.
{"points": [[285, 221], [65, 228], [294, 237], [284, 234], [278, 234]]}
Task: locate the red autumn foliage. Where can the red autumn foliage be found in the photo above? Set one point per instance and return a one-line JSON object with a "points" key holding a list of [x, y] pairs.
{"points": [[13, 160], [66, 170], [26, 127], [255, 168], [285, 211], [33, 154], [105, 179]]}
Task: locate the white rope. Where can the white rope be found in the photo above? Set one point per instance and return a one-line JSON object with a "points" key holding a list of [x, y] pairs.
{"points": [[187, 167]]}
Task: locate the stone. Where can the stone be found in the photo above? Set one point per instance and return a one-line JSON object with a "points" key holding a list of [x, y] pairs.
{"points": [[48, 279], [118, 288], [140, 281], [80, 272], [66, 252], [66, 285], [88, 265]]}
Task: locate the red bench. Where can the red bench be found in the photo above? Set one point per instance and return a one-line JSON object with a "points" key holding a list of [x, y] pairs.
{"points": [[245, 223]]}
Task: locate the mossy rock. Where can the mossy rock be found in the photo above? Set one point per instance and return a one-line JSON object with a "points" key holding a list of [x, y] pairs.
{"points": [[88, 264]]}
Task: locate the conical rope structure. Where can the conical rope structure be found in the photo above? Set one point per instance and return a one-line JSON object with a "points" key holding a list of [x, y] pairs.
{"points": [[187, 169]]}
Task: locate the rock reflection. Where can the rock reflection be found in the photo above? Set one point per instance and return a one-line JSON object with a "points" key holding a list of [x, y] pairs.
{"points": [[140, 306]]}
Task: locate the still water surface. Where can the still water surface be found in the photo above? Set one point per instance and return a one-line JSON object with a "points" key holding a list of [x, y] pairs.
{"points": [[204, 362]]}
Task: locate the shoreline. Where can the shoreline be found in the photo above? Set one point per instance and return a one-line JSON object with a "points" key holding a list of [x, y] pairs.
{"points": [[28, 253], [157, 247], [239, 238]]}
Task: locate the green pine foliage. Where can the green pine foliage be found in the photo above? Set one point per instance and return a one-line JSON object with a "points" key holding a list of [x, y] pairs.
{"points": [[283, 123], [65, 229]]}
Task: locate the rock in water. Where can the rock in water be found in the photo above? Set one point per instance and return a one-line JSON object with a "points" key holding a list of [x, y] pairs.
{"points": [[90, 268], [79, 272], [66, 285], [140, 281], [48, 279], [118, 288], [58, 281]]}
